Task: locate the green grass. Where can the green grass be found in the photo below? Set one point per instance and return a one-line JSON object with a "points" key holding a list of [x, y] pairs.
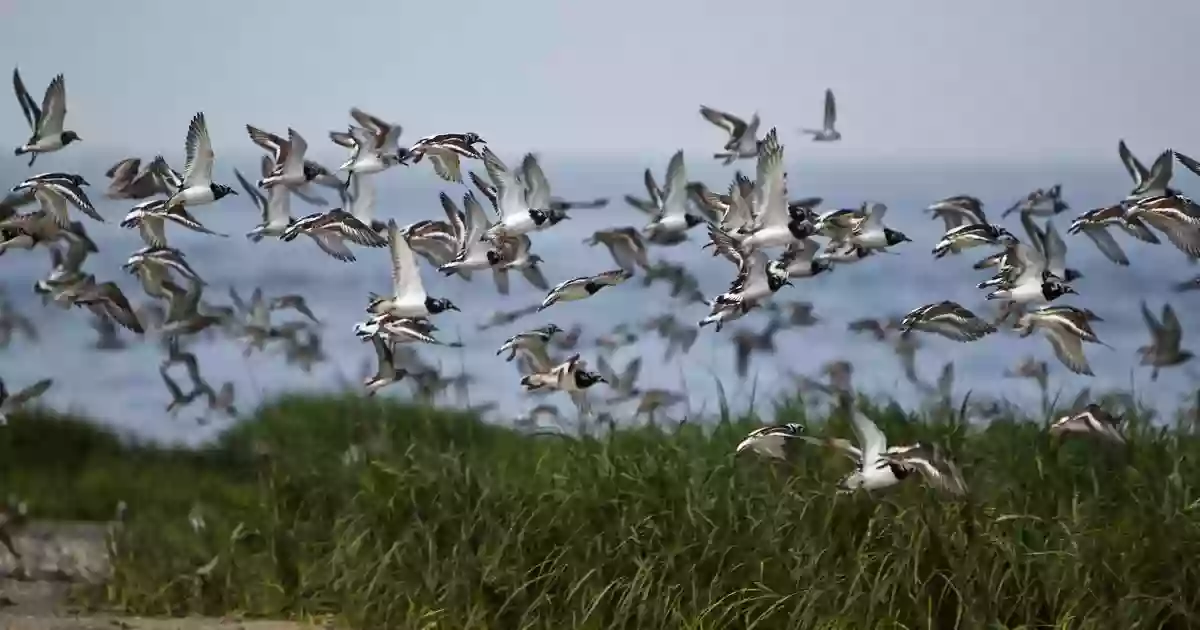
{"points": [[447, 522]]}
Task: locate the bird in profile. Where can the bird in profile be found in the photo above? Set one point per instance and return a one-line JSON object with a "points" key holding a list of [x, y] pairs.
{"points": [[770, 441], [197, 187], [828, 132], [1094, 421], [880, 466], [45, 122], [743, 137], [583, 287], [1166, 336], [1066, 328], [948, 319]]}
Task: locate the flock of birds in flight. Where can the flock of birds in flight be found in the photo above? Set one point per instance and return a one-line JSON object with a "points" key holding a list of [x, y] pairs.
{"points": [[769, 239]]}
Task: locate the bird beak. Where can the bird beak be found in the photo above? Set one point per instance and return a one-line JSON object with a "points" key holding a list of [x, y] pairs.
{"points": [[454, 308], [233, 192], [1070, 290]]}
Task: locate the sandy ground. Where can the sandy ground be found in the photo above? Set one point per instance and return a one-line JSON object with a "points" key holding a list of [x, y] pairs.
{"points": [[55, 555]]}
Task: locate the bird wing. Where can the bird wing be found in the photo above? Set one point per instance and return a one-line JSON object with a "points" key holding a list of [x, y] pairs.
{"points": [[197, 171], [457, 222], [293, 162], [269, 142], [652, 189], [537, 194], [29, 393], [406, 278], [830, 110], [770, 191], [1172, 331], [1068, 348], [54, 109], [732, 125], [254, 193], [870, 439], [1107, 245], [28, 106], [476, 221], [674, 200], [1159, 178], [361, 196], [509, 189], [1137, 171]]}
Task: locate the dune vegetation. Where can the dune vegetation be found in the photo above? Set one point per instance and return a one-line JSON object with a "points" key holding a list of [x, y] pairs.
{"points": [[393, 516]]}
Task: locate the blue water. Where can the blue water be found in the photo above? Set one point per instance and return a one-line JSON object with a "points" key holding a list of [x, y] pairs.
{"points": [[123, 388]]}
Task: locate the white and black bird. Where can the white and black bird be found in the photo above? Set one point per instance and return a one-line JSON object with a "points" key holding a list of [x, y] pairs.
{"points": [[948, 319], [1095, 224], [828, 132], [469, 225], [274, 208], [375, 144], [445, 151], [534, 341], [408, 297], [150, 219], [287, 165], [1051, 247], [880, 466], [45, 122], [583, 287], [672, 220], [772, 223], [54, 192], [970, 235], [522, 197], [770, 441], [801, 260], [516, 251], [571, 376], [386, 371], [331, 230], [1093, 420], [957, 211], [198, 187], [1066, 328], [1025, 279], [743, 137]]}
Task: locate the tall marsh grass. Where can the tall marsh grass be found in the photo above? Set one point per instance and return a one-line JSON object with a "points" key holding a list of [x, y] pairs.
{"points": [[401, 517]]}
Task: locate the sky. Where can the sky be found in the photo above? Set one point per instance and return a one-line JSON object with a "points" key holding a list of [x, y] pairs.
{"points": [[930, 78]]}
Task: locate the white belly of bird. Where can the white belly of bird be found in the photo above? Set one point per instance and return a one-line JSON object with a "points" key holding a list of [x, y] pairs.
{"points": [[366, 164], [673, 223], [43, 145], [1028, 293], [517, 224], [877, 478], [196, 196], [874, 239], [775, 236]]}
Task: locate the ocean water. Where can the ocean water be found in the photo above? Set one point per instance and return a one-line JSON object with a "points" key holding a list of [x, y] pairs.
{"points": [[124, 389]]}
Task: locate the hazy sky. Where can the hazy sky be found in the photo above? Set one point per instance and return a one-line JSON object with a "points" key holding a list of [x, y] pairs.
{"points": [[919, 77]]}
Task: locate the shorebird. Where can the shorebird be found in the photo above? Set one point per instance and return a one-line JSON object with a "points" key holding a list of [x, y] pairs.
{"points": [[880, 466], [197, 187], [827, 132], [408, 297], [743, 137], [45, 123]]}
